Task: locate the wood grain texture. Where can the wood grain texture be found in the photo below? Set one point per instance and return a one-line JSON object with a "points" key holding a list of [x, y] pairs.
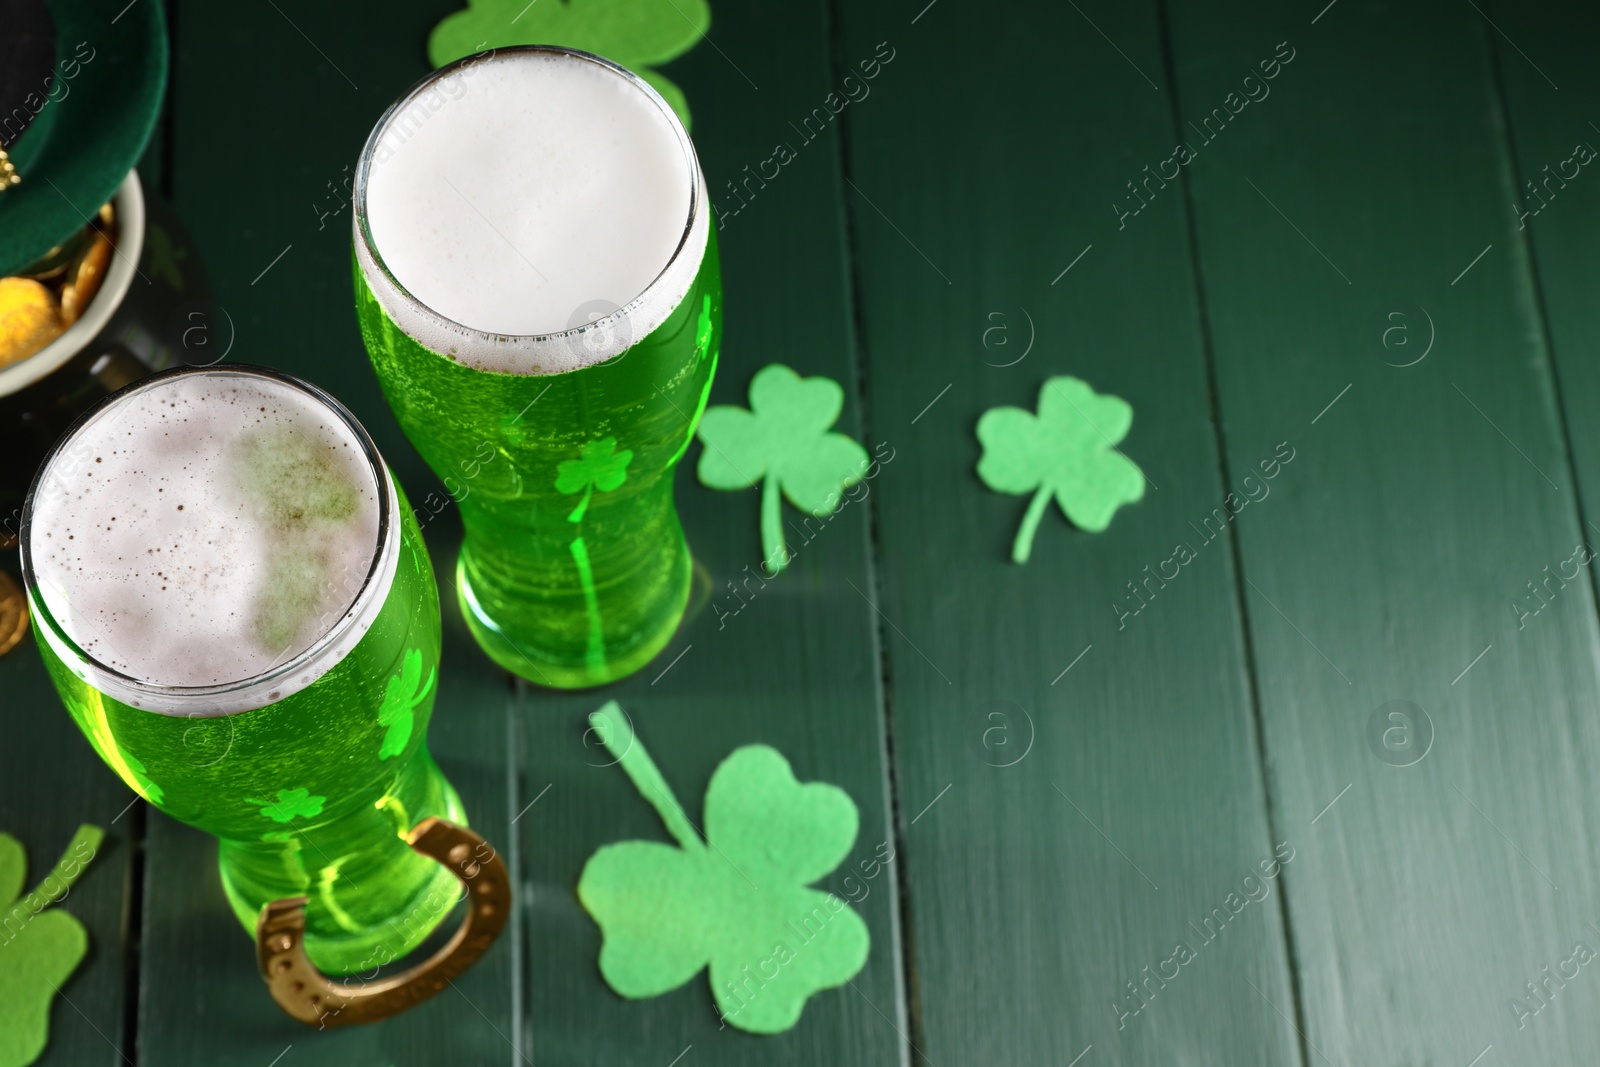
{"points": [[264, 120], [1079, 777], [1386, 565], [827, 719], [1550, 84], [51, 782], [981, 193], [790, 663], [91, 1021], [1547, 120]]}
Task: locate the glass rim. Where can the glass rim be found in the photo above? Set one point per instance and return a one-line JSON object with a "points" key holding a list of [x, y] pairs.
{"points": [[369, 149], [318, 647]]}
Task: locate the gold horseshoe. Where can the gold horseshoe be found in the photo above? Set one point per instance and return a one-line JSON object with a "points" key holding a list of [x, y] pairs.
{"points": [[311, 997]]}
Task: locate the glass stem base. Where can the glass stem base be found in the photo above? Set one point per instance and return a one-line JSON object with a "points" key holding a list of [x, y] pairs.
{"points": [[600, 664], [370, 898]]}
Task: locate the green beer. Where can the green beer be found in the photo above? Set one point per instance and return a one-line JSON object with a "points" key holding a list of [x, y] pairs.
{"points": [[539, 290], [235, 604]]}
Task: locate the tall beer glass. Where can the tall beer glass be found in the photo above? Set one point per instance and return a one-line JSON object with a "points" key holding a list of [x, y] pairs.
{"points": [[235, 604], [538, 287]]}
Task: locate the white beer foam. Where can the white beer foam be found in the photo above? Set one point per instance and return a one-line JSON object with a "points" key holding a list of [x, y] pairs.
{"points": [[204, 530], [523, 194]]}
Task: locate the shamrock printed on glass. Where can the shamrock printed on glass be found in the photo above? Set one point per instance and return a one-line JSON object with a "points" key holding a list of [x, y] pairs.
{"points": [[586, 373]]}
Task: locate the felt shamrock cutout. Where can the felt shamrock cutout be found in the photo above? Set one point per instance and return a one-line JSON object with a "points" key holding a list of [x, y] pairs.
{"points": [[736, 901], [639, 34], [290, 805], [784, 442], [602, 467], [39, 948], [1067, 451], [405, 691]]}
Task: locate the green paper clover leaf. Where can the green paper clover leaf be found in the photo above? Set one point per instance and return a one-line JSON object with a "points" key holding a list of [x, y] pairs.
{"points": [[290, 805], [1067, 451], [735, 902], [784, 442], [639, 34], [405, 691], [40, 947], [602, 467]]}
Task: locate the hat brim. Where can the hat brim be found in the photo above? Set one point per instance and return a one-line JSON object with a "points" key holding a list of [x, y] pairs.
{"points": [[93, 122]]}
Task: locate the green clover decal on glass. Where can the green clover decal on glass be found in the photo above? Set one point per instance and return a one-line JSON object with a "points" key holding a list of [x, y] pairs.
{"points": [[290, 805], [401, 697], [737, 901], [1067, 452], [639, 34], [40, 947], [602, 467], [784, 442]]}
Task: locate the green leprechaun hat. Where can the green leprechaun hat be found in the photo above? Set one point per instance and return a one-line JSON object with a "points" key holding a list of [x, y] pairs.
{"points": [[81, 83]]}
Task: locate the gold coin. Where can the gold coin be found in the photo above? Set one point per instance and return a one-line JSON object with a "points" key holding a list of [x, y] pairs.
{"points": [[13, 613], [54, 264], [84, 278], [28, 319]]}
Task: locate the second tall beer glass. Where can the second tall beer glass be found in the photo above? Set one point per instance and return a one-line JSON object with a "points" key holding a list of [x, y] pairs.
{"points": [[538, 287]]}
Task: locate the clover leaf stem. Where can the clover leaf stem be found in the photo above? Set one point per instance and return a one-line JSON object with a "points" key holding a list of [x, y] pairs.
{"points": [[773, 550], [595, 654], [58, 878], [293, 866], [616, 733], [329, 875], [583, 505], [397, 811], [1023, 545]]}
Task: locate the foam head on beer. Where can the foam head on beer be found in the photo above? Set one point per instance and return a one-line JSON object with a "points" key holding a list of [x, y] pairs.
{"points": [[517, 190], [204, 529]]}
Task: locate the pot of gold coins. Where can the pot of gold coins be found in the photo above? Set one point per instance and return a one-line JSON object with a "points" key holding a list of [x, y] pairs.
{"points": [[99, 284]]}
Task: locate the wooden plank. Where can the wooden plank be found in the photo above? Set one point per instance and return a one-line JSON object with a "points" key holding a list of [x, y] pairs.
{"points": [[1547, 121], [91, 1021], [50, 782], [1370, 191], [794, 667], [980, 194], [265, 120], [1549, 84]]}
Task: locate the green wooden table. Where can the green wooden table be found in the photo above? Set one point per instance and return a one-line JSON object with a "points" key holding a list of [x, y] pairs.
{"points": [[1340, 754]]}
